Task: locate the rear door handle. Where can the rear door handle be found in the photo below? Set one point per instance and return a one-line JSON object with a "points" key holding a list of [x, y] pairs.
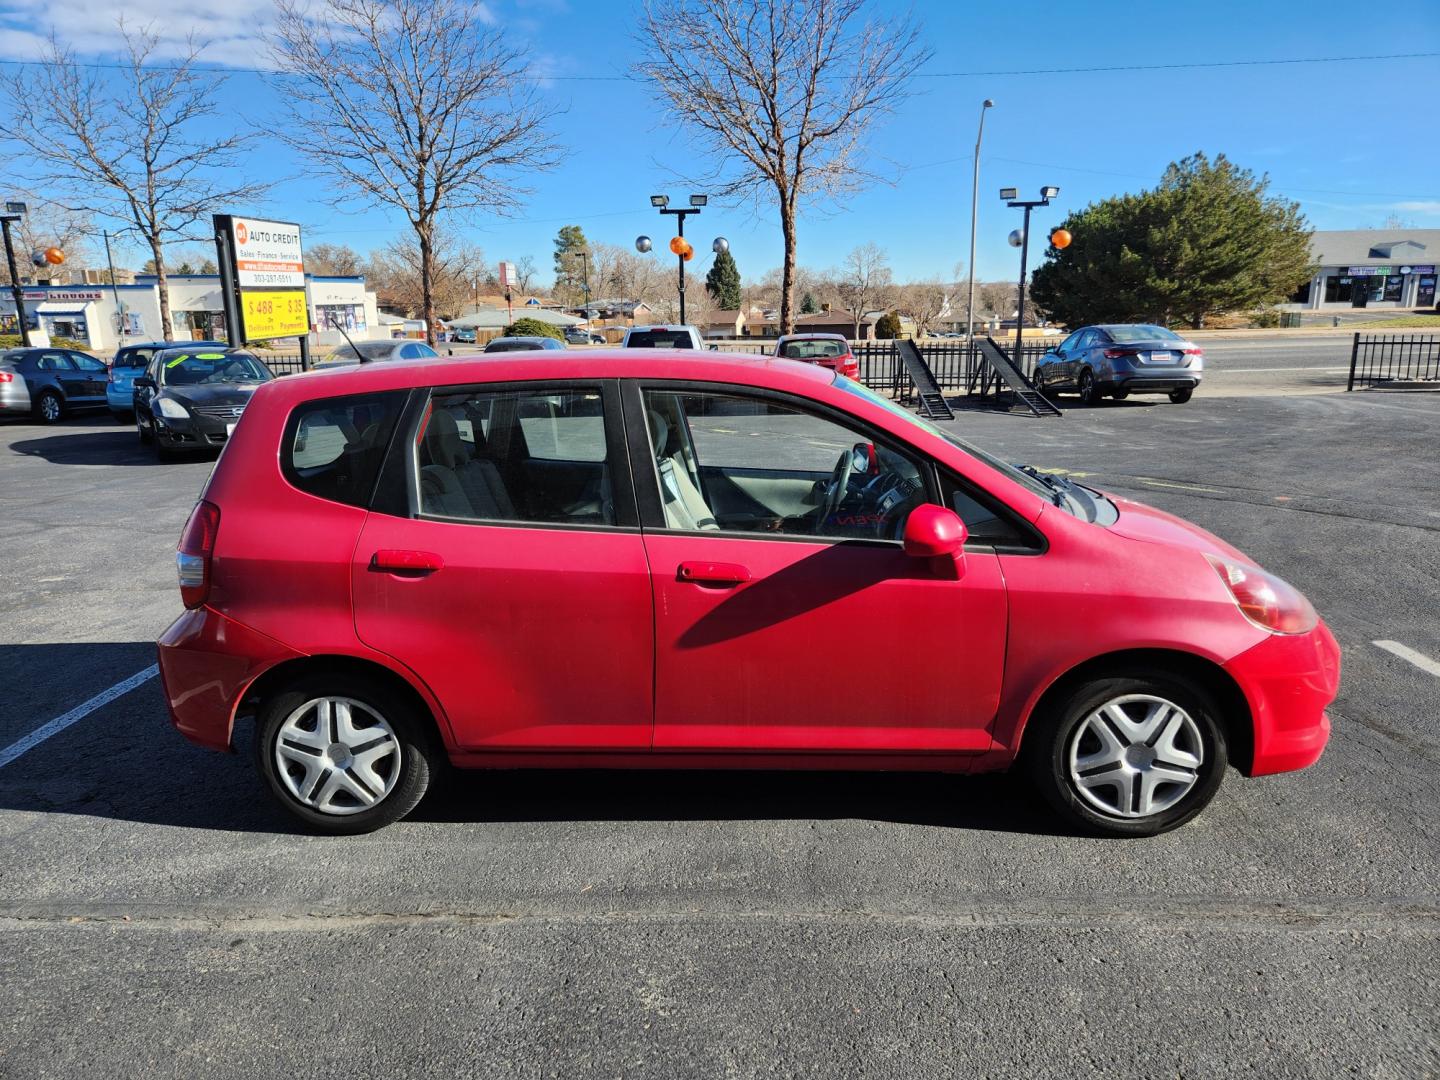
{"points": [[405, 561], [713, 573]]}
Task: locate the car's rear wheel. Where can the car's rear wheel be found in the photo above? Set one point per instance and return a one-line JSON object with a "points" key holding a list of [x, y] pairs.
{"points": [[49, 407], [1121, 395], [1089, 392], [343, 754], [1179, 397], [1128, 755]]}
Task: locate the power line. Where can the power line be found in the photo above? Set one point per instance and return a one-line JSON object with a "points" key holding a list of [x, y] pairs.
{"points": [[1125, 67]]}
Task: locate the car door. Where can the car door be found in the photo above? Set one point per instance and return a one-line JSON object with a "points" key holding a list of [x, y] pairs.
{"points": [[513, 579], [95, 373], [57, 366], [1076, 357], [786, 620], [1050, 369]]}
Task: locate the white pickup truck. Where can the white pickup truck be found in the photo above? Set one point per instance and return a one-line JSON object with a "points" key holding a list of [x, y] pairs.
{"points": [[662, 337]]}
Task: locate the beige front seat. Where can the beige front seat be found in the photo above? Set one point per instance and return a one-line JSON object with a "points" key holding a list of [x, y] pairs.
{"points": [[685, 508]]}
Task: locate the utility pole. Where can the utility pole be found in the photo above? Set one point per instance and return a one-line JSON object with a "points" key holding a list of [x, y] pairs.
{"points": [[14, 211], [974, 218], [114, 290]]}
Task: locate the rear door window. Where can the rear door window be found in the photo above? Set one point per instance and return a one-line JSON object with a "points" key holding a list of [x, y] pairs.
{"points": [[518, 455], [333, 448]]}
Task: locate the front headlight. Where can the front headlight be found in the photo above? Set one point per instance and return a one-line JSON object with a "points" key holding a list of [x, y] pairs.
{"points": [[172, 409]]}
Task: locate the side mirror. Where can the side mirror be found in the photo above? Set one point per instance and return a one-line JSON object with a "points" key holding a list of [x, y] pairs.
{"points": [[937, 533]]}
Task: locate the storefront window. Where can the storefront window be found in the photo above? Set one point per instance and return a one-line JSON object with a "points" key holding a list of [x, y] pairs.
{"points": [[1338, 290], [347, 317], [1393, 284]]}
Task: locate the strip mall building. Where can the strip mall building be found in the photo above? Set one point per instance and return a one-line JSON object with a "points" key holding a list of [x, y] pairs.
{"points": [[108, 316], [1371, 268]]}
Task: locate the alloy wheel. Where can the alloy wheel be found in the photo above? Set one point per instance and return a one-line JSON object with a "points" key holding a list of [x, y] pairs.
{"points": [[1087, 388], [49, 408], [1135, 756], [337, 756]]}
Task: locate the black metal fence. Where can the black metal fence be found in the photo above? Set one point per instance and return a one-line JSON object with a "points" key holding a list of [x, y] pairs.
{"points": [[283, 363], [957, 365], [1377, 359]]}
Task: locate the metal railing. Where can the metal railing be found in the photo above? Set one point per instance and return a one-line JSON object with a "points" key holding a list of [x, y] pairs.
{"points": [[283, 363], [1377, 359]]}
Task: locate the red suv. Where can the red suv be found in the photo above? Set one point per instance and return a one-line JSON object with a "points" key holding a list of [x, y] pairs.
{"points": [[660, 559], [828, 350]]}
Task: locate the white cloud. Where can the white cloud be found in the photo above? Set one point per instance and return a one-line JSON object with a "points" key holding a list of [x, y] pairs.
{"points": [[1418, 206]]}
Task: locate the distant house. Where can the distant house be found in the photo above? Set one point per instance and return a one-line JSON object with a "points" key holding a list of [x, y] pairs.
{"points": [[728, 323], [837, 322]]}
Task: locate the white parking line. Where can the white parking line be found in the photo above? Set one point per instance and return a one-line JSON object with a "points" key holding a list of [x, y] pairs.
{"points": [[60, 723], [1420, 660]]}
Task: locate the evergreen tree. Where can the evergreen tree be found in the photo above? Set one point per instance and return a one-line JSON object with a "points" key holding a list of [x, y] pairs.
{"points": [[888, 326], [1208, 239], [808, 305], [723, 282], [569, 267]]}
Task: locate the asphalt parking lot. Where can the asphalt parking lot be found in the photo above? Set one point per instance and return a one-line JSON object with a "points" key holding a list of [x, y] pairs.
{"points": [[158, 917]]}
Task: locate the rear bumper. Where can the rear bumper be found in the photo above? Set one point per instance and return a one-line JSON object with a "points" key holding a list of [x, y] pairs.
{"points": [[206, 663], [120, 401], [1288, 681], [1159, 382], [14, 397]]}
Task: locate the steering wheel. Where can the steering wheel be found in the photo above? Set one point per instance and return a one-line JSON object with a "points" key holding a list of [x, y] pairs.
{"points": [[839, 484]]}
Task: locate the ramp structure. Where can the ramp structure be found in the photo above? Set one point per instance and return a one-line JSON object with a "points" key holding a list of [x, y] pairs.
{"points": [[1022, 388], [931, 400]]}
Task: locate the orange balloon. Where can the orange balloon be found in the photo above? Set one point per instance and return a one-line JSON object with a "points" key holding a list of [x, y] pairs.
{"points": [[54, 256], [1061, 238], [678, 245], [689, 253]]}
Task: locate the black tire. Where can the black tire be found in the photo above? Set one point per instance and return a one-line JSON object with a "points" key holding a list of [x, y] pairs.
{"points": [[1089, 392], [420, 757], [1121, 395], [143, 429], [49, 407], [1045, 754], [1179, 397], [123, 417]]}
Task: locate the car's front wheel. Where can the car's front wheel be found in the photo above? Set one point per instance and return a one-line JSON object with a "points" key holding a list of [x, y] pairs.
{"points": [[343, 754], [1128, 755], [143, 430]]}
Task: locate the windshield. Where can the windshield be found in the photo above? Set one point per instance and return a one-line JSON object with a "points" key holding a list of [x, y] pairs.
{"points": [[813, 349], [512, 346], [659, 339], [1124, 335], [370, 350], [194, 369], [1010, 472]]}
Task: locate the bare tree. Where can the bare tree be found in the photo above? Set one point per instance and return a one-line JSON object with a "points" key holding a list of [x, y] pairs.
{"points": [[925, 302], [396, 273], [143, 147], [338, 259], [525, 271], [781, 94], [413, 105], [863, 281]]}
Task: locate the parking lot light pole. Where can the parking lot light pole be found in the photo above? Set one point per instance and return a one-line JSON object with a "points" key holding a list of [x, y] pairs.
{"points": [[697, 203], [14, 212], [1009, 195], [974, 218]]}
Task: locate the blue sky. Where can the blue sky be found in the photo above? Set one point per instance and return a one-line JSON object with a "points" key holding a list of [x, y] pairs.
{"points": [[1352, 142]]}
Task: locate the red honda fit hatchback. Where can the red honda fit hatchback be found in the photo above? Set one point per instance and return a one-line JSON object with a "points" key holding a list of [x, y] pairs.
{"points": [[670, 560]]}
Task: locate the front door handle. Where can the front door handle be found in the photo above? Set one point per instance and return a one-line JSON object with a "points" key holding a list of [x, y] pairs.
{"points": [[406, 562], [713, 573]]}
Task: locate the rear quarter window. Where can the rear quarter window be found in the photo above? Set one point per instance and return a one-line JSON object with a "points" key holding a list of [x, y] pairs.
{"points": [[659, 339], [333, 448]]}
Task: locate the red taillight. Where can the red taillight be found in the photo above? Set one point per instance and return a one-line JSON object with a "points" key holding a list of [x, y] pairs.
{"points": [[1266, 600], [1194, 352], [6, 376], [192, 558], [1115, 354]]}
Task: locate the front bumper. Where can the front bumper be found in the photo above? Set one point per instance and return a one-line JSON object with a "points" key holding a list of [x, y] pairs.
{"points": [[206, 664], [194, 432], [1288, 680]]}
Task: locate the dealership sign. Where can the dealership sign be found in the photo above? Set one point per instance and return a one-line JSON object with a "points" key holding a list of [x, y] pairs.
{"points": [[262, 267]]}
